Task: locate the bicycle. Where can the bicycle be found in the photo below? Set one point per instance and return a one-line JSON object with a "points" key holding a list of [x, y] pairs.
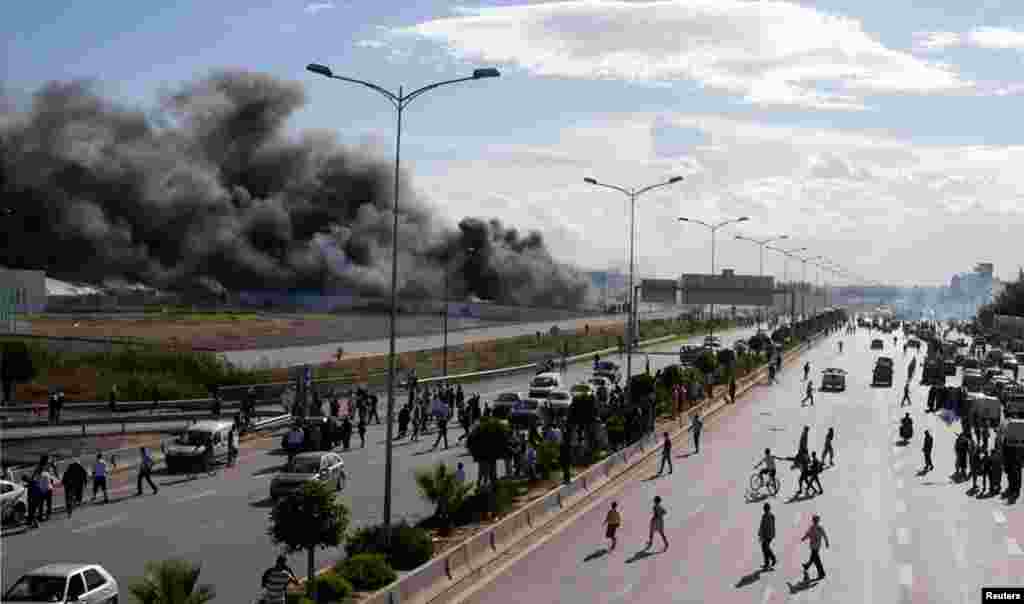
{"points": [[759, 481]]}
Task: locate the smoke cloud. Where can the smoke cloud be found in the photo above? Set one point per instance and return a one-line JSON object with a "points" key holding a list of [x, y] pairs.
{"points": [[209, 194]]}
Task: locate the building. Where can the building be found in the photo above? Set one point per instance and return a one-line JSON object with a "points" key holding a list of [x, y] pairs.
{"points": [[27, 288]]}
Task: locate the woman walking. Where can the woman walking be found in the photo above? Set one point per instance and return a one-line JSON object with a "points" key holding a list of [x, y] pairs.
{"points": [[657, 523]]}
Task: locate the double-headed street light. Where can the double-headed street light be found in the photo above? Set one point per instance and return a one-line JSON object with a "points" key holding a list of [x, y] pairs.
{"points": [[714, 229], [761, 243], [400, 101], [632, 194]]}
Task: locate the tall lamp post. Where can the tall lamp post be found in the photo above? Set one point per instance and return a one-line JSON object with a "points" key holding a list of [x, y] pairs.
{"points": [[714, 229], [761, 243], [786, 255], [632, 193], [399, 101], [447, 272], [816, 261]]}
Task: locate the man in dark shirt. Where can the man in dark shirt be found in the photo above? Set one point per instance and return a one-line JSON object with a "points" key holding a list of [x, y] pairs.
{"points": [[927, 450], [766, 533]]}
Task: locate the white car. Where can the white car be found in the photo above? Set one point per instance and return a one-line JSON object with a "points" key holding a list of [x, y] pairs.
{"points": [[324, 466], [13, 502], [65, 584]]}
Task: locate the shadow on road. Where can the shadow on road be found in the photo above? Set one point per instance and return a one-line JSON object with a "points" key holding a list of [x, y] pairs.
{"points": [[685, 455], [598, 554], [652, 478], [640, 555], [749, 579], [803, 585], [265, 503], [269, 470], [800, 497], [757, 497]]}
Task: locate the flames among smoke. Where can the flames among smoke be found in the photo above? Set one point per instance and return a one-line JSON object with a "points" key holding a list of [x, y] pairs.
{"points": [[210, 194]]}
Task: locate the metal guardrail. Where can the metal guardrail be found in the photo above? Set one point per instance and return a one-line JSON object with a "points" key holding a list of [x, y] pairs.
{"points": [[87, 427]]}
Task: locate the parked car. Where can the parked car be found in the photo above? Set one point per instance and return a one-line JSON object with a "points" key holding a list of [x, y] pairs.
{"points": [[877, 344], [65, 584], [325, 466], [833, 379], [544, 383], [13, 502]]}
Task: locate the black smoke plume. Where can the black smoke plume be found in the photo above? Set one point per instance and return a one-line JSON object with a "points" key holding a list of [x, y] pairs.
{"points": [[208, 193]]}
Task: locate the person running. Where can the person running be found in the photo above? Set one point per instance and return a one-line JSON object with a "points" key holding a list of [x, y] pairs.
{"points": [[145, 471], [658, 513], [666, 455], [815, 535], [828, 451], [807, 370], [927, 450], [697, 425], [809, 396], [765, 534], [612, 523], [905, 401], [813, 472], [442, 430]]}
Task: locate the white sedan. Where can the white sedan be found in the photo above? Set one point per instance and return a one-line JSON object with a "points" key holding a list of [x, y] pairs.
{"points": [[13, 502], [65, 584]]}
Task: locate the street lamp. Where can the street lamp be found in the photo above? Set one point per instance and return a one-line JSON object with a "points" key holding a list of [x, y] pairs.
{"points": [[815, 261], [447, 271], [786, 255], [632, 193], [714, 229], [761, 243], [400, 101]]}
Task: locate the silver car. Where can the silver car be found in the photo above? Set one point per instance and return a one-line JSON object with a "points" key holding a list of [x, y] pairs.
{"points": [[324, 466], [65, 584]]}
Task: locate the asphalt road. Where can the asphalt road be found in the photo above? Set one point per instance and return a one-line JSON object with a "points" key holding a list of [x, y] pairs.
{"points": [[299, 355], [896, 536], [221, 521]]}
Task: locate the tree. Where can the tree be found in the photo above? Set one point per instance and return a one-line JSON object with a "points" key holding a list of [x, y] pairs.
{"points": [[489, 442], [15, 367], [309, 519], [171, 582], [706, 363], [439, 487]]}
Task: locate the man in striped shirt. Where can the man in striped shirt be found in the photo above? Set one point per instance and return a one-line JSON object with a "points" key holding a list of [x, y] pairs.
{"points": [[276, 580]]}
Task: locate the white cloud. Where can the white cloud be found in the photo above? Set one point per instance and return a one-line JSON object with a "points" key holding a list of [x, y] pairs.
{"points": [[318, 7], [769, 52], [880, 206], [991, 38]]}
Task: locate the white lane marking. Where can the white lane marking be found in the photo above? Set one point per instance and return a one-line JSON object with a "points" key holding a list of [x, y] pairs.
{"points": [[1013, 548], [899, 483], [96, 525], [903, 536], [901, 507], [998, 517], [906, 575], [768, 593], [194, 496]]}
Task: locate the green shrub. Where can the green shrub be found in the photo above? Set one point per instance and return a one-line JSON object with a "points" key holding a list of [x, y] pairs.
{"points": [[411, 546], [328, 588], [547, 459], [366, 572]]}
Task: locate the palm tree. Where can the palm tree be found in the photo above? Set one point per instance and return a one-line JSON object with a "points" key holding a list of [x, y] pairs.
{"points": [[440, 487], [171, 582]]}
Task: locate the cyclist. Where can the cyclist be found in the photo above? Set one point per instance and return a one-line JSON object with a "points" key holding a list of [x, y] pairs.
{"points": [[768, 461]]}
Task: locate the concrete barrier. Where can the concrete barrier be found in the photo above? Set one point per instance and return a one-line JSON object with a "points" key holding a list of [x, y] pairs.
{"points": [[431, 580]]}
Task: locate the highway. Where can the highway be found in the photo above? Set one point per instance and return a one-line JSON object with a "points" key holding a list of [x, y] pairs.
{"points": [[896, 536], [321, 353], [221, 521]]}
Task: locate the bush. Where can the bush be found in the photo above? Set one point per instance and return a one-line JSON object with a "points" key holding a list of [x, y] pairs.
{"points": [[410, 546], [328, 587], [366, 572]]}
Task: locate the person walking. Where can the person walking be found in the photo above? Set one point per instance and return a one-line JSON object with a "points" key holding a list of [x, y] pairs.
{"points": [[658, 513], [362, 432], [995, 481], [732, 390], [442, 430], [765, 534], [696, 426], [813, 473], [905, 401], [807, 370], [74, 480], [276, 580], [145, 471], [927, 450], [666, 455], [44, 480], [612, 523], [828, 451], [815, 535], [99, 478], [802, 448], [809, 395]]}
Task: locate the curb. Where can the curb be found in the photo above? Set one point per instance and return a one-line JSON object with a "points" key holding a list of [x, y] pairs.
{"points": [[440, 577]]}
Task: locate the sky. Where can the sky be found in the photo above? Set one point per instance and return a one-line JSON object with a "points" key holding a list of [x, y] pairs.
{"points": [[883, 136]]}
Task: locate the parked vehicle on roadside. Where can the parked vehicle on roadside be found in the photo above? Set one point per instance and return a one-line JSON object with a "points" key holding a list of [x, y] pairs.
{"points": [[324, 466], [13, 502], [65, 584]]}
